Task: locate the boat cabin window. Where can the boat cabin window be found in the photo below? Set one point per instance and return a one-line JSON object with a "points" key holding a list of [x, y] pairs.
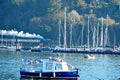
{"points": [[49, 65], [58, 66]]}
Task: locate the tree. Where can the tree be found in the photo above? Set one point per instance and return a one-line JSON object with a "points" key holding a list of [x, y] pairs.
{"points": [[81, 3], [74, 17], [17, 2], [117, 2], [111, 22], [54, 6]]}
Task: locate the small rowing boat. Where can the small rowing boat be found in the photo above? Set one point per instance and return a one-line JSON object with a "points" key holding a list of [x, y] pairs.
{"points": [[89, 56]]}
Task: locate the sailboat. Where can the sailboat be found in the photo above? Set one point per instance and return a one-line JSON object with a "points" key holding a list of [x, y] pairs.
{"points": [[12, 47], [64, 48], [103, 47]]}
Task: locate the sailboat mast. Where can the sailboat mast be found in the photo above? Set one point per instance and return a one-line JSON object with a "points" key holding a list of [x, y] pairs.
{"points": [[114, 41], [82, 35], [65, 45], [59, 33], [1, 38], [70, 35], [13, 42], [88, 33], [97, 34], [94, 32], [106, 32], [102, 33]]}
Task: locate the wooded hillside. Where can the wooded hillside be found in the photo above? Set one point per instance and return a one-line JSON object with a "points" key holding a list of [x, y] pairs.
{"points": [[43, 17]]}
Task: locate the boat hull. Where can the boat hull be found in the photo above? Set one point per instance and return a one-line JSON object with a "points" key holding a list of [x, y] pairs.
{"points": [[69, 75]]}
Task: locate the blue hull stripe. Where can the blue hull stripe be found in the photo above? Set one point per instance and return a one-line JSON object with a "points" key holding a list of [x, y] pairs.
{"points": [[73, 74]]}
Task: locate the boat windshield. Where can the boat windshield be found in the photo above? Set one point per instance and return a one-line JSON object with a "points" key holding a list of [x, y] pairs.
{"points": [[49, 65], [58, 66], [53, 66]]}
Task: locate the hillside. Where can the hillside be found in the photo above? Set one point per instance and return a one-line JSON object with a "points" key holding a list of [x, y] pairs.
{"points": [[43, 17]]}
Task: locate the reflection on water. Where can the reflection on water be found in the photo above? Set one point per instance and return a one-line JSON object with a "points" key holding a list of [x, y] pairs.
{"points": [[103, 67]]}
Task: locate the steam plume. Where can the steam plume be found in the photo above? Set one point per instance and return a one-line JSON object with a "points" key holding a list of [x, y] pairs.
{"points": [[20, 34]]}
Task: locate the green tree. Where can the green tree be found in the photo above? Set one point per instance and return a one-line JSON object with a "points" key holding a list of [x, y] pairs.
{"points": [[117, 2], [55, 6], [74, 17], [81, 3], [17, 2]]}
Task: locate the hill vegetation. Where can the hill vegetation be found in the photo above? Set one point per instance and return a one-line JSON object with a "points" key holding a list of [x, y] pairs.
{"points": [[43, 16]]}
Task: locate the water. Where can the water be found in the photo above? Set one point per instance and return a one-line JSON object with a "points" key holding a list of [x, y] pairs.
{"points": [[103, 67]]}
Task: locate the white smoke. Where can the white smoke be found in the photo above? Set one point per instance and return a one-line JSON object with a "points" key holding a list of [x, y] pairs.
{"points": [[19, 34]]}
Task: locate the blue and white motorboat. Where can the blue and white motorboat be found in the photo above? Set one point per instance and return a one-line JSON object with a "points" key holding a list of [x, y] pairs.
{"points": [[51, 68]]}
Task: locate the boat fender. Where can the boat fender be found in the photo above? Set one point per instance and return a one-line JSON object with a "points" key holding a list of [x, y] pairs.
{"points": [[54, 74], [40, 74]]}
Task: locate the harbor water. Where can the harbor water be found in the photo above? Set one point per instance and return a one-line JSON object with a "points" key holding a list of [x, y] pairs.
{"points": [[102, 67]]}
